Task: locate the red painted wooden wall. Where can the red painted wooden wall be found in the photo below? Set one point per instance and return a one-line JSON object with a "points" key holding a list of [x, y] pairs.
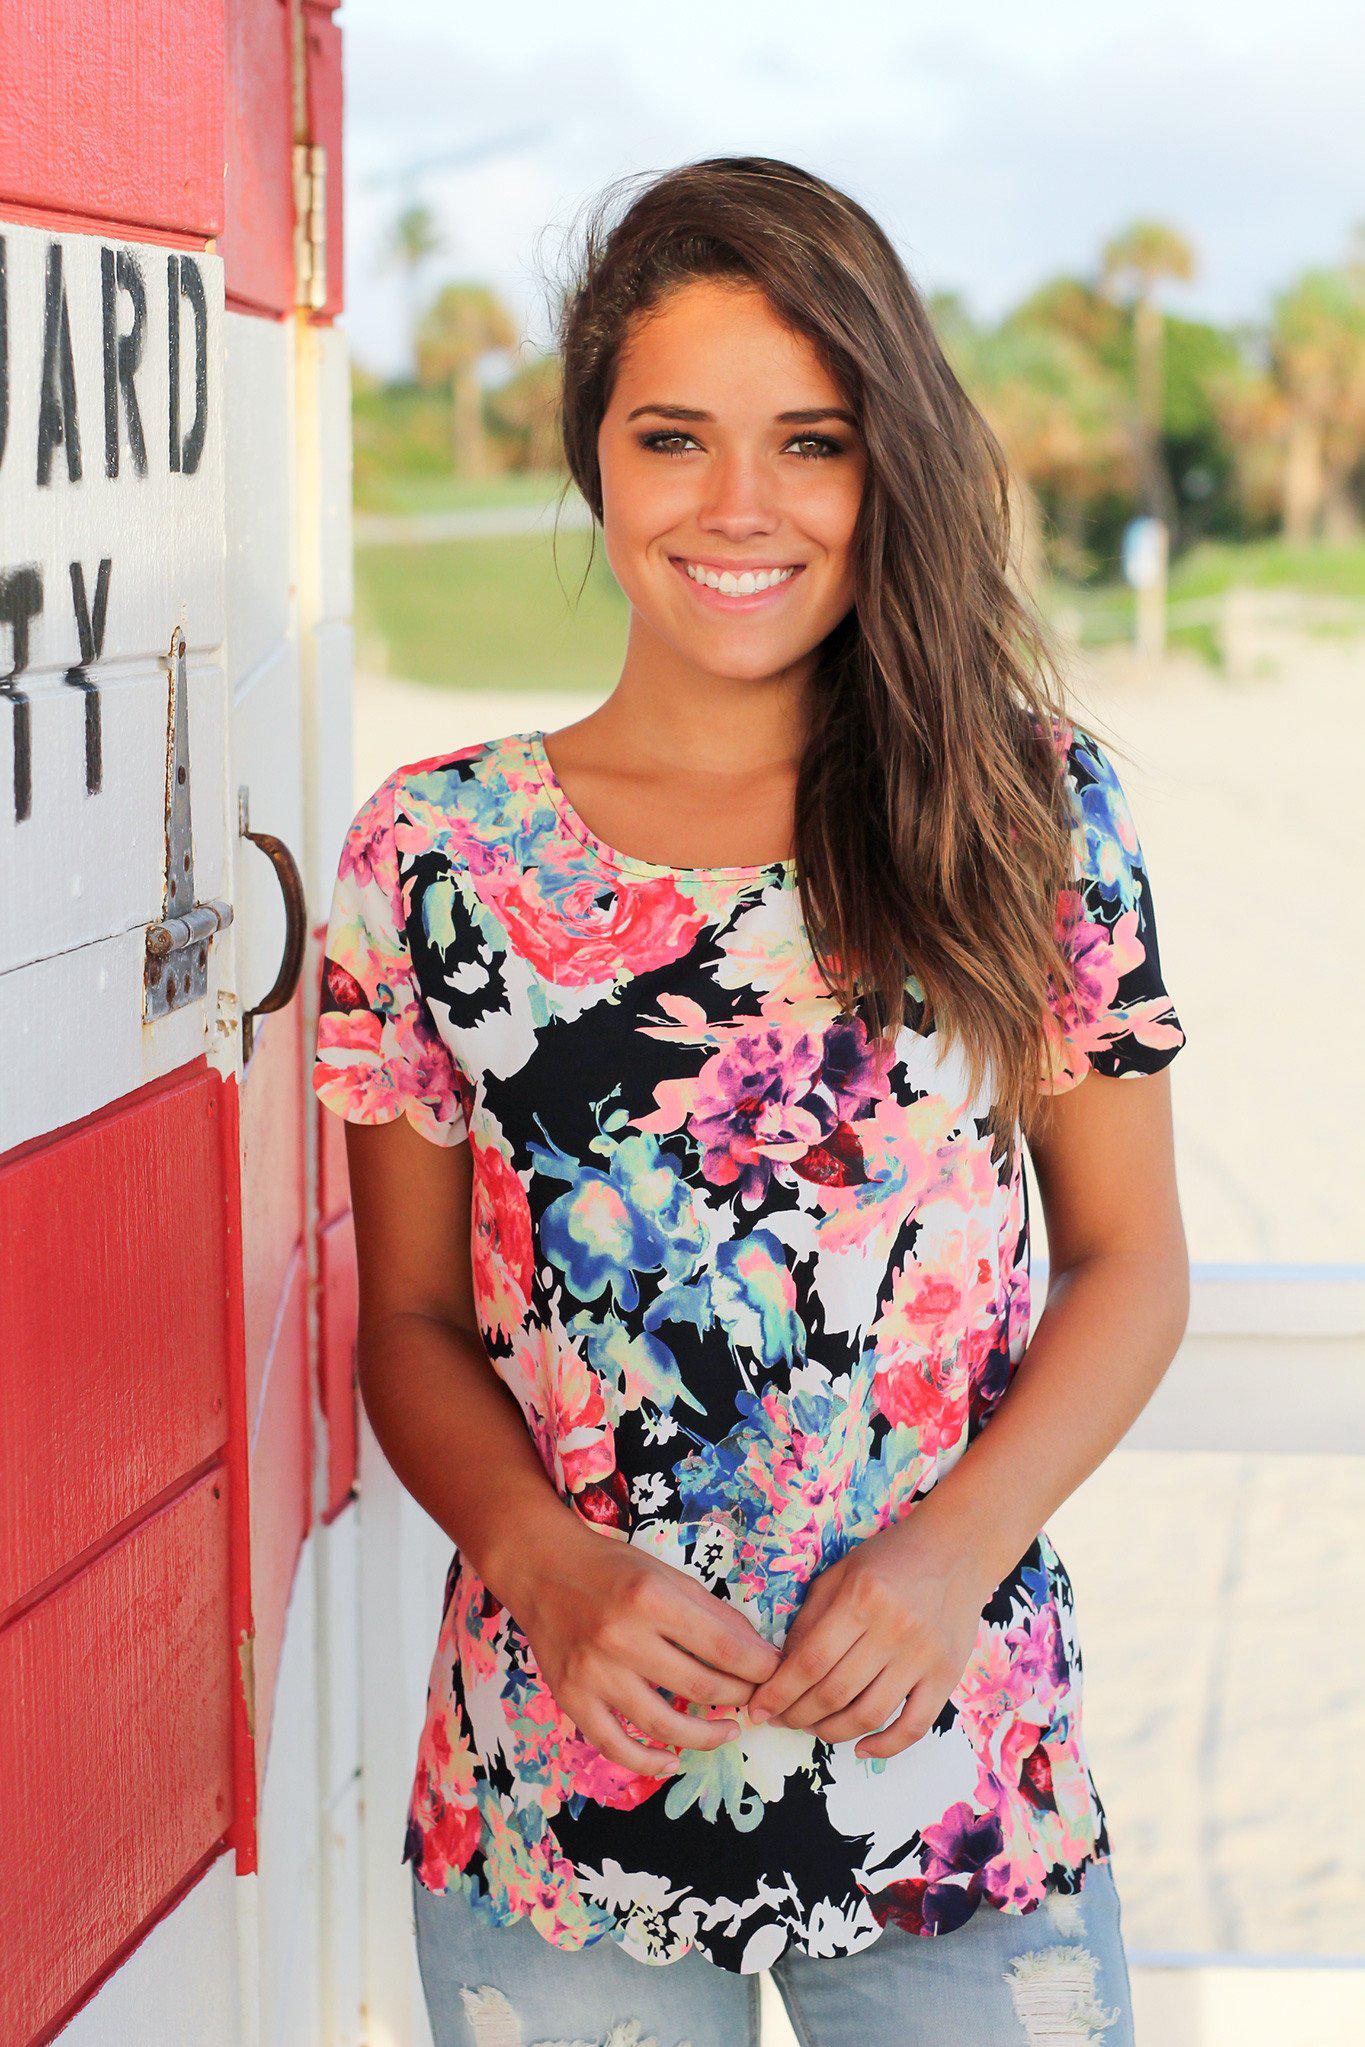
{"points": [[155, 1404]]}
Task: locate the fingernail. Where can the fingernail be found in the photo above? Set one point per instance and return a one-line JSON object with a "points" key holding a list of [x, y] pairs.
{"points": [[758, 1714]]}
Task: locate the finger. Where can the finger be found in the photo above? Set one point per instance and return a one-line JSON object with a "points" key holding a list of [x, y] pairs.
{"points": [[853, 1672], [663, 1663], [660, 1721], [921, 1709], [817, 1651], [719, 1634], [866, 1713], [599, 1725]]}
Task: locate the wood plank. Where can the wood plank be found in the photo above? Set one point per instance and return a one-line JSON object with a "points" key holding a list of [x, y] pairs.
{"points": [[338, 1302], [272, 1170], [115, 1748], [258, 440], [257, 245], [322, 38], [281, 1495], [181, 1983], [123, 475], [115, 113], [113, 1272]]}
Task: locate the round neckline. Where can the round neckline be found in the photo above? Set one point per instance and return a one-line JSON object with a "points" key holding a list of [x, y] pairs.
{"points": [[631, 862]]}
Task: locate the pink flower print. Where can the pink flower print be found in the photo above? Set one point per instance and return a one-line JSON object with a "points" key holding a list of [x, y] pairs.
{"points": [[1097, 965], [921, 1381], [448, 1832], [363, 853], [748, 1109], [902, 1149], [579, 925], [500, 1242], [561, 1397], [381, 1061], [999, 1709]]}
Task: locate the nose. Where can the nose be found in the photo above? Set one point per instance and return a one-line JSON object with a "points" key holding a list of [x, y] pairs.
{"points": [[740, 499]]}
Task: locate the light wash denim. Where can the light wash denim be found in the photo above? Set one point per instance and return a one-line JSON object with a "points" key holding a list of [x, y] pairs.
{"points": [[1054, 1977]]}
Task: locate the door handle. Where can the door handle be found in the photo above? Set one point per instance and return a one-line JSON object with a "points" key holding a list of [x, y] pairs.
{"points": [[295, 919]]}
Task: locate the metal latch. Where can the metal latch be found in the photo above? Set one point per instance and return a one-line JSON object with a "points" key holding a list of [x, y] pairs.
{"points": [[310, 224], [176, 967]]}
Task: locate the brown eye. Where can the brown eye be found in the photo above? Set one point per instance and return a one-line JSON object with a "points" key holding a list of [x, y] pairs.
{"points": [[657, 439]]}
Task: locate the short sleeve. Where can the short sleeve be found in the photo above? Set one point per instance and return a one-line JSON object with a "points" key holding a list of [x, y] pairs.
{"points": [[1122, 1021], [378, 1053]]}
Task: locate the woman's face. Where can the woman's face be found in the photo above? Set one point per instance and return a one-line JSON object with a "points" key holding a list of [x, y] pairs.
{"points": [[727, 448]]}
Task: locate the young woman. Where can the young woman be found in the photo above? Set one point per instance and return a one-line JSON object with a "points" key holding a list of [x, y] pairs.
{"points": [[688, 1051]]}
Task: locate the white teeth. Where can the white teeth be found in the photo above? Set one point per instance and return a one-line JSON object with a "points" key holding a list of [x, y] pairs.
{"points": [[744, 585]]}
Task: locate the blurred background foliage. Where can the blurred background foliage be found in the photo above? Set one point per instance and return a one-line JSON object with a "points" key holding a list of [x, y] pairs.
{"points": [[1247, 441]]}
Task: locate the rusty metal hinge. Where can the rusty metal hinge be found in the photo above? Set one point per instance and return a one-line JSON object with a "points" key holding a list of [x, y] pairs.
{"points": [[310, 224], [175, 970]]}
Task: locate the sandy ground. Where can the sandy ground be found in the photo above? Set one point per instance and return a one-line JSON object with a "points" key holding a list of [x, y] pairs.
{"points": [[1225, 1707]]}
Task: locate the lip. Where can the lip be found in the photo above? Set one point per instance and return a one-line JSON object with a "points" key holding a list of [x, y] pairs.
{"points": [[721, 601]]}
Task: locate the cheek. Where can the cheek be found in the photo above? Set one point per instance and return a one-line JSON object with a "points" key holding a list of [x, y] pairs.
{"points": [[832, 512], [644, 496]]}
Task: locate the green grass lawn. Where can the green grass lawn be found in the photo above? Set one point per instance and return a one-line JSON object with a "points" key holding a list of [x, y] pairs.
{"points": [[494, 614], [509, 612], [416, 491], [1316, 568], [1207, 573], [1212, 569]]}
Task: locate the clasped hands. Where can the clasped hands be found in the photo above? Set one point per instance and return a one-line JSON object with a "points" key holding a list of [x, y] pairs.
{"points": [[888, 1628], [883, 1631]]}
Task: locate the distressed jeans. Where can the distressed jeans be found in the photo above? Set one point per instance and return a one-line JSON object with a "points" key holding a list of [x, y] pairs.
{"points": [[1054, 1977]]}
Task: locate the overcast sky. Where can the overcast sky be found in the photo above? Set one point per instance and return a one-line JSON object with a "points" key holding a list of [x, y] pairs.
{"points": [[996, 147]]}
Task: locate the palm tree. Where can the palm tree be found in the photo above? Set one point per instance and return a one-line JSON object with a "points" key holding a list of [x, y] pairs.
{"points": [[1057, 412], [412, 239], [1318, 365], [463, 323], [1253, 418], [525, 410], [1133, 264]]}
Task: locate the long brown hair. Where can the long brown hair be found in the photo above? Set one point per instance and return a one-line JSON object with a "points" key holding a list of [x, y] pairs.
{"points": [[932, 826]]}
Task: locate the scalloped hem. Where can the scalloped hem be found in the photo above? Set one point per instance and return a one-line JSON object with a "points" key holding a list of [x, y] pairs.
{"points": [[1066, 1880]]}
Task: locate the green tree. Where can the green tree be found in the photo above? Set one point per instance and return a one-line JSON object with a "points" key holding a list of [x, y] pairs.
{"points": [[464, 322], [1317, 346], [1134, 264], [525, 412], [412, 240], [1059, 417], [1195, 442]]}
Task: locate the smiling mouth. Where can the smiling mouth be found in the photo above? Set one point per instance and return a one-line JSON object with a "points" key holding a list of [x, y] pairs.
{"points": [[738, 585]]}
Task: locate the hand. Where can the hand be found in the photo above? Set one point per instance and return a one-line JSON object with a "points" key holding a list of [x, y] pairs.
{"points": [[892, 1623], [608, 1622]]}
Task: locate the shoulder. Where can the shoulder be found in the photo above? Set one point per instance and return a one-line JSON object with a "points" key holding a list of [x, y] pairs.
{"points": [[456, 776], [1096, 800], [1083, 760], [447, 799]]}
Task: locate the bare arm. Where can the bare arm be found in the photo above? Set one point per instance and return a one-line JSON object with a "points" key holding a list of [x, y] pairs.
{"points": [[1117, 1306], [447, 1423], [608, 1622]]}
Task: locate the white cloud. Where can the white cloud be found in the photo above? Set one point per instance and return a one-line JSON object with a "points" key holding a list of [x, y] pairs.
{"points": [[996, 149]]}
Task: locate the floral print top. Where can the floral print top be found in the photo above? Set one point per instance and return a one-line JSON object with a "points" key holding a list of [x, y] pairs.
{"points": [[755, 1283]]}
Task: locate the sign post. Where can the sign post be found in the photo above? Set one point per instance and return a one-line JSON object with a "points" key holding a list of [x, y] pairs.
{"points": [[1145, 554]]}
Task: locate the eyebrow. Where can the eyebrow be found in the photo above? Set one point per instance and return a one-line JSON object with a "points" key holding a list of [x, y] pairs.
{"points": [[808, 417]]}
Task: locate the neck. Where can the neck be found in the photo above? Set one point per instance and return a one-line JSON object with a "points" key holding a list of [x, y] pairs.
{"points": [[667, 709]]}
